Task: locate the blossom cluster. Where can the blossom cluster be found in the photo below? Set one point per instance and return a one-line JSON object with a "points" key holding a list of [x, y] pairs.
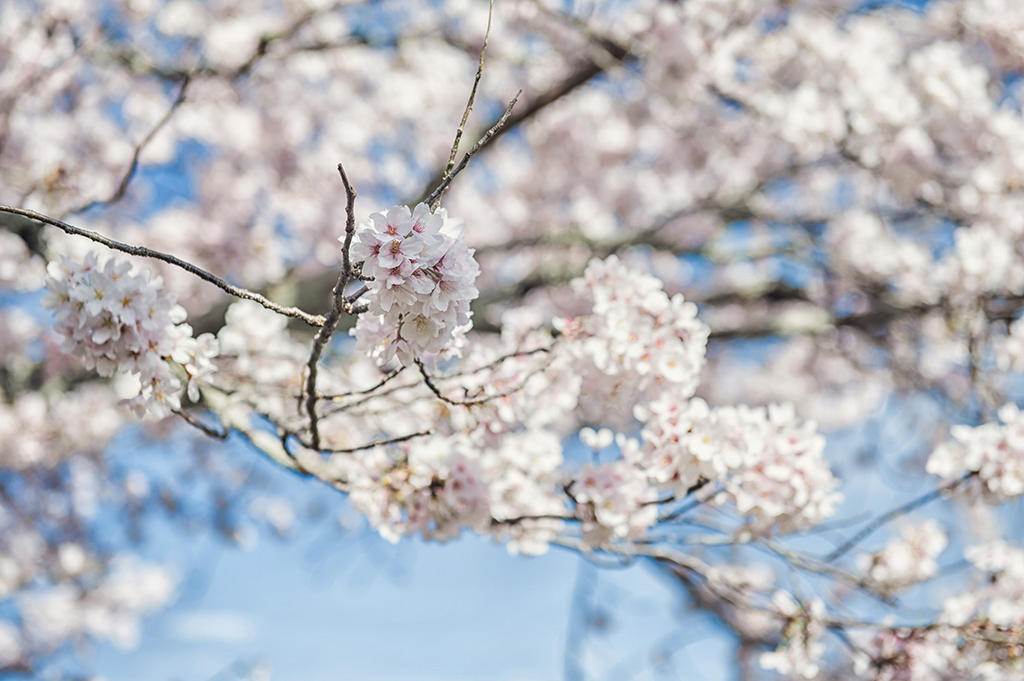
{"points": [[995, 452], [907, 559], [977, 635], [635, 329], [614, 500], [802, 646], [33, 427], [1009, 349], [764, 461], [111, 610], [769, 463], [437, 486], [261, 363], [420, 276], [899, 131], [120, 321]]}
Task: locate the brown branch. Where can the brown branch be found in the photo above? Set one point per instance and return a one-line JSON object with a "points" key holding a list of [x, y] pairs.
{"points": [[142, 251], [384, 381], [491, 133], [338, 304], [429, 382], [221, 434], [581, 76], [379, 443], [524, 518], [469, 106]]}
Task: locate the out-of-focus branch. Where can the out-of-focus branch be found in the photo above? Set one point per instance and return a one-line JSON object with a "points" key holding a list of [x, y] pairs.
{"points": [[122, 186], [579, 77], [895, 513]]}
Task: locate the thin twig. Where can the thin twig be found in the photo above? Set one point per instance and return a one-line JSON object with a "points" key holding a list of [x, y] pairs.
{"points": [[142, 251], [338, 304], [381, 383], [692, 504], [524, 518], [539, 102], [815, 565], [357, 295], [469, 107], [379, 443], [895, 513], [367, 398], [350, 224], [429, 382], [286, 433], [221, 434], [480, 144], [500, 360]]}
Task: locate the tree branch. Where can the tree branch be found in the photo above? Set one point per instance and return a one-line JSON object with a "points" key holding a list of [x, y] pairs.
{"points": [[338, 304], [142, 251]]}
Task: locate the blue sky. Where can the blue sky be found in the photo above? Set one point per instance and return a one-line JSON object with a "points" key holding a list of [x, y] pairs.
{"points": [[336, 604]]}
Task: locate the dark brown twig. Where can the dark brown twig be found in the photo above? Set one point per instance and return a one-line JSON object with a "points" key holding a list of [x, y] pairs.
{"points": [[338, 305], [351, 393], [221, 434], [578, 78], [379, 443], [469, 107], [429, 382], [142, 251], [433, 197]]}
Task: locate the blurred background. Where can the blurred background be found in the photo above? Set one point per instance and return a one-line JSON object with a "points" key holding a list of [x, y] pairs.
{"points": [[837, 184]]}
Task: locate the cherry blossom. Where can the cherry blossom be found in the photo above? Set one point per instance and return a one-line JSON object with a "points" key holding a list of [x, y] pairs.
{"points": [[798, 655], [992, 451], [711, 242], [121, 322], [908, 559], [420, 278]]}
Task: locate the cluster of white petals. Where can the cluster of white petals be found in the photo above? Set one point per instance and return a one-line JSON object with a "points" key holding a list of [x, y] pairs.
{"points": [[111, 610], [614, 501], [863, 247], [999, 598], [421, 282], [634, 341], [769, 463], [19, 269], [439, 485], [119, 321], [802, 647], [977, 635], [260, 362], [837, 181], [33, 428], [994, 451], [897, 655], [907, 559], [1009, 349]]}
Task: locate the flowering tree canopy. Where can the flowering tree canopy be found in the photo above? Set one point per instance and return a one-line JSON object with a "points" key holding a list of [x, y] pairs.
{"points": [[692, 283]]}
